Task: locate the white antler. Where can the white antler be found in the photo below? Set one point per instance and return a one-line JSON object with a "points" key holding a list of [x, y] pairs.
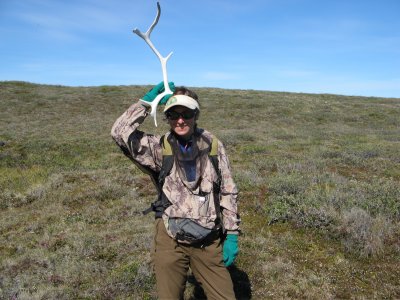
{"points": [[163, 60]]}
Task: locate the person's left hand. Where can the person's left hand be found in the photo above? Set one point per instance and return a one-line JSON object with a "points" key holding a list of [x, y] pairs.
{"points": [[230, 249]]}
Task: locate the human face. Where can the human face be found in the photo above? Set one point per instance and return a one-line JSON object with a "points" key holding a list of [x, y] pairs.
{"points": [[182, 127]]}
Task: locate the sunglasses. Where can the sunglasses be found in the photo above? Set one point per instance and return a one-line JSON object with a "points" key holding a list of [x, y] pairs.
{"points": [[174, 115]]}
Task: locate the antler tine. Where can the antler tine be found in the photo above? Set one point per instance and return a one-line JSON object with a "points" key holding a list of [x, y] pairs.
{"points": [[163, 60], [148, 32], [146, 36]]}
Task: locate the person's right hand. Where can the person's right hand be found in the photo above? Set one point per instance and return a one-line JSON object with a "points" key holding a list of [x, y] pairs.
{"points": [[155, 91]]}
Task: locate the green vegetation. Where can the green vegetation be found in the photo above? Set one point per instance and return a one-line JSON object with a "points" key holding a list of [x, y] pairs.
{"points": [[319, 194]]}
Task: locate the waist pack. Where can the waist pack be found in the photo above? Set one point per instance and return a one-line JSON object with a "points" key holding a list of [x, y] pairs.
{"points": [[187, 230]]}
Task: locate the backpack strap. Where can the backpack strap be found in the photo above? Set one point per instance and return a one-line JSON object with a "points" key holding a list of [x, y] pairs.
{"points": [[166, 147], [214, 147], [213, 155], [162, 201], [167, 160]]}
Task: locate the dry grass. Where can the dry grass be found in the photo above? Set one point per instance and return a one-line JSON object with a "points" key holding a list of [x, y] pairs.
{"points": [[318, 175]]}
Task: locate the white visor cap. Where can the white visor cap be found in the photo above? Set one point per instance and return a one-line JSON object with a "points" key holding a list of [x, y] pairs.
{"points": [[182, 100]]}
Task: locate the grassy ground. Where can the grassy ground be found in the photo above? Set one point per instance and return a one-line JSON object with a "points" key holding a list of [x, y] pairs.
{"points": [[319, 194]]}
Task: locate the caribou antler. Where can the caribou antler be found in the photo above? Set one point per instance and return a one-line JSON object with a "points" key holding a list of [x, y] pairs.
{"points": [[163, 60]]}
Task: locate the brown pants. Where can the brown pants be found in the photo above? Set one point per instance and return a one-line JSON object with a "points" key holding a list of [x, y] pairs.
{"points": [[172, 261]]}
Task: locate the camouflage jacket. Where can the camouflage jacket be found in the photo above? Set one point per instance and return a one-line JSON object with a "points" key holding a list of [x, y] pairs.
{"points": [[145, 150]]}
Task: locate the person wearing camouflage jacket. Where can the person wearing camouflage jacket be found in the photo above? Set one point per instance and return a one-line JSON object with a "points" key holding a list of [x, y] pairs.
{"points": [[189, 189]]}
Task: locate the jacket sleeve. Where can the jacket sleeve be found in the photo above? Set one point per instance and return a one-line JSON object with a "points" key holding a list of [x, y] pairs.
{"points": [[144, 149], [229, 193]]}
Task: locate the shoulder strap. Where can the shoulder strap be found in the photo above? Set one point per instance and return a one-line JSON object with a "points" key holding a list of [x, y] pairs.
{"points": [[214, 147], [214, 157], [166, 147], [167, 160], [162, 202]]}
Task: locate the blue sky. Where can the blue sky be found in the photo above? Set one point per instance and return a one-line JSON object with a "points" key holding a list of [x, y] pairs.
{"points": [[328, 46]]}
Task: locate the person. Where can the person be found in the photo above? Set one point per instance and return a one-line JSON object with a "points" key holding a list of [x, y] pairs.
{"points": [[197, 223]]}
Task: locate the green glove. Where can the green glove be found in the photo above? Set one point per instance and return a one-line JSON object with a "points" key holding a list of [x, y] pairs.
{"points": [[230, 249], [158, 89]]}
